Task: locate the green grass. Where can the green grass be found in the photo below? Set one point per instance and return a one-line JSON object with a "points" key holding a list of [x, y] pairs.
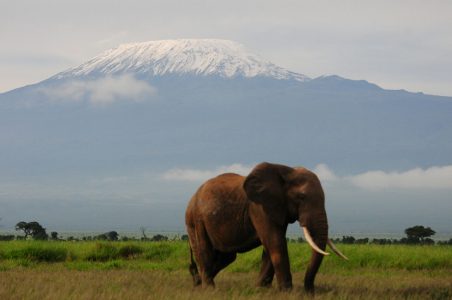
{"points": [[39, 253], [151, 270], [174, 255]]}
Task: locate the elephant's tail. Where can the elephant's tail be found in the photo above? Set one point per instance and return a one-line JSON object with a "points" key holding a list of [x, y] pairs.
{"points": [[191, 254], [193, 268], [192, 261]]}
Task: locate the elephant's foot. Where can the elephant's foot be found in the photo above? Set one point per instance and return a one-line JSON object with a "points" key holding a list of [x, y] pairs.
{"points": [[208, 285], [267, 271], [309, 289], [265, 282], [207, 281], [285, 287], [196, 280]]}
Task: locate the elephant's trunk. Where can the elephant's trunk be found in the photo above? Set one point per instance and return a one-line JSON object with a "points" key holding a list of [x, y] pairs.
{"points": [[318, 233]]}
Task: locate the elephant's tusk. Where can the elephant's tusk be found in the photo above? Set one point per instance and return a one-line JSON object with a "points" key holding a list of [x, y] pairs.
{"points": [[335, 250], [311, 242]]}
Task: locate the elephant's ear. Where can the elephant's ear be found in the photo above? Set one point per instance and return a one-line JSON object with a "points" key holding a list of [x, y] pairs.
{"points": [[265, 184]]}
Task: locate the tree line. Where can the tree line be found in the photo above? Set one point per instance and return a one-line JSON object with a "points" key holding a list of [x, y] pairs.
{"points": [[34, 230], [416, 235]]}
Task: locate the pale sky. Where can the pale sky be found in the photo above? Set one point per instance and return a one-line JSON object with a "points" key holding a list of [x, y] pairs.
{"points": [[395, 44]]}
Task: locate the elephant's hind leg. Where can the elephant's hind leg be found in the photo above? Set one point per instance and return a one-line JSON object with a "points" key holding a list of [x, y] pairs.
{"points": [[267, 271], [204, 254]]}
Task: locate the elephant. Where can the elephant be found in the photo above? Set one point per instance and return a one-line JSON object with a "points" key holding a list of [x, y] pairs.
{"points": [[232, 214]]}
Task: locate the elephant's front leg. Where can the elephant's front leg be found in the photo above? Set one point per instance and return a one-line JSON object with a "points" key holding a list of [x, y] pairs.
{"points": [[275, 245], [267, 271]]}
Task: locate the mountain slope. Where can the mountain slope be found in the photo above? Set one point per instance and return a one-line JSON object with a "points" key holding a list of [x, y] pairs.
{"points": [[161, 103]]}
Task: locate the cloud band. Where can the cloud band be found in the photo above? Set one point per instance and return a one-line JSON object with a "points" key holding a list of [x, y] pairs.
{"points": [[102, 91], [417, 178]]}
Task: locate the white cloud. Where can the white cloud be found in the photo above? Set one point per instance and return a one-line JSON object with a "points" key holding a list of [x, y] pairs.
{"points": [[202, 175], [431, 178], [324, 173], [102, 91]]}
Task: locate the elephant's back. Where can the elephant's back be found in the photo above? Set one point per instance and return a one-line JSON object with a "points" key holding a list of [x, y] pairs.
{"points": [[224, 183], [222, 192], [221, 206], [216, 194]]}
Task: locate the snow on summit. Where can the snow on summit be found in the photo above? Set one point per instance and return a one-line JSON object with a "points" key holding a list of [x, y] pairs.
{"points": [[205, 57]]}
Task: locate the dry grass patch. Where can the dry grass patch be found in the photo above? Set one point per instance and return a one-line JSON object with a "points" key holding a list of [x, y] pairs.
{"points": [[148, 284]]}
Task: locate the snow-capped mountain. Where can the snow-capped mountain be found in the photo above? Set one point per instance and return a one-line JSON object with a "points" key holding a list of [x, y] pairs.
{"points": [[183, 99], [207, 57]]}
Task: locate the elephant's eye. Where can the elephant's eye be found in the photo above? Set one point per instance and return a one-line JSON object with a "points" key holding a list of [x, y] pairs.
{"points": [[300, 195]]}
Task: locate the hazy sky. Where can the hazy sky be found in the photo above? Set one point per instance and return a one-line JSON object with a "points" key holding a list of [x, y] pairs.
{"points": [[396, 44]]}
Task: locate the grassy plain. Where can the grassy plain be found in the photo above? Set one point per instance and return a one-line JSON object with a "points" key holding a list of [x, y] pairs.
{"points": [[158, 270]]}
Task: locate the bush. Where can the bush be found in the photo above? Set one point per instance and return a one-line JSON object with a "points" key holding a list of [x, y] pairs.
{"points": [[348, 240], [103, 252], [159, 252], [382, 241], [40, 253], [101, 237], [112, 235], [8, 237], [362, 241], [130, 251], [159, 238], [428, 241], [108, 236], [449, 242]]}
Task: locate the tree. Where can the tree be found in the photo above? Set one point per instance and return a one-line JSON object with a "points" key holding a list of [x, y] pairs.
{"points": [[112, 236], [24, 227], [143, 233], [54, 235], [419, 234], [33, 229], [159, 238], [40, 235]]}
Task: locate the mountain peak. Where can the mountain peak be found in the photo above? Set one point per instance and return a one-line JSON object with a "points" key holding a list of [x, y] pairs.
{"points": [[205, 57]]}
